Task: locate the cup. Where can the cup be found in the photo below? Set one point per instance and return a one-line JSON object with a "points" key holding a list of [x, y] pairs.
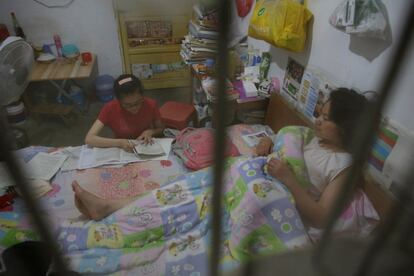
{"points": [[86, 57]]}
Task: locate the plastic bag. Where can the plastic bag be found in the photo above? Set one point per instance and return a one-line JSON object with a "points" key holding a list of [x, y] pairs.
{"points": [[282, 23], [364, 18]]}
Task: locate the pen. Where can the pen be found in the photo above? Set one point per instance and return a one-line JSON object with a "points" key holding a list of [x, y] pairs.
{"points": [[133, 147]]}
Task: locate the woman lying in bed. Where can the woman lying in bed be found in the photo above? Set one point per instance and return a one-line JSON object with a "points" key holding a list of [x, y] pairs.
{"points": [[326, 156]]}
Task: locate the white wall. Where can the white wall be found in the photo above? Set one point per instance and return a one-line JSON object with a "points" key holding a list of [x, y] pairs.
{"points": [[89, 24], [354, 62], [156, 7]]}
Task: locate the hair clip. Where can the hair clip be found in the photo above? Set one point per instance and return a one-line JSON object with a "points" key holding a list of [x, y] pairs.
{"points": [[121, 82]]}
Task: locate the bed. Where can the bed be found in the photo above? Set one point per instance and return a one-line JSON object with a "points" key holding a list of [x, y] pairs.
{"points": [[165, 231]]}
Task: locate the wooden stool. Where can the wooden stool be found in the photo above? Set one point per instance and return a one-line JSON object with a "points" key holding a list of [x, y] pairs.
{"points": [[178, 115]]}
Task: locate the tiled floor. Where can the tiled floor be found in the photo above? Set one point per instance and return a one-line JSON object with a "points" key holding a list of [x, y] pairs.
{"points": [[52, 131]]}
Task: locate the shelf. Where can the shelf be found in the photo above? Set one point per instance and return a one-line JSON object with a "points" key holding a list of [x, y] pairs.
{"points": [[136, 28]]}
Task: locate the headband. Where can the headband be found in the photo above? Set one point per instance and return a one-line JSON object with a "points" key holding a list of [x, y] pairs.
{"points": [[121, 82]]}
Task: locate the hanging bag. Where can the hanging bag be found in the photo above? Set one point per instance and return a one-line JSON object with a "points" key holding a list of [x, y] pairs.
{"points": [[364, 18], [282, 23]]}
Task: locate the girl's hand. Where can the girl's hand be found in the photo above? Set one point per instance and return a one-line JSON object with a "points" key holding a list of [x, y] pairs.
{"points": [[146, 136], [280, 170], [264, 147], [126, 145]]}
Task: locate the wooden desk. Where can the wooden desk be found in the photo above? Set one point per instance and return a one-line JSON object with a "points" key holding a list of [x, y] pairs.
{"points": [[63, 70]]}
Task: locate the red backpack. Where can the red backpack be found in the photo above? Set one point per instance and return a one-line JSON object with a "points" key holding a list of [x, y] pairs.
{"points": [[196, 147]]}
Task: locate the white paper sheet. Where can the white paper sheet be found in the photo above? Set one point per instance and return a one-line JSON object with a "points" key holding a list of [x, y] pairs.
{"points": [[253, 139], [73, 154], [44, 166]]}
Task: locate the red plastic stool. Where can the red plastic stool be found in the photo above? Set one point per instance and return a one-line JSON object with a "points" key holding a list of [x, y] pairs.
{"points": [[178, 115]]}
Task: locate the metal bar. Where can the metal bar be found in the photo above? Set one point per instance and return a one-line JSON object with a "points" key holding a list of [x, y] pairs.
{"points": [[219, 120], [40, 224], [65, 93], [364, 137], [384, 233]]}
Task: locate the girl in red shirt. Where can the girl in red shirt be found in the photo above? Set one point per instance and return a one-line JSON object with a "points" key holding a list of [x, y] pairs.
{"points": [[130, 116]]}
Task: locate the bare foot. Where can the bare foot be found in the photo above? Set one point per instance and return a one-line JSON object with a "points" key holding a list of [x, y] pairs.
{"points": [[94, 207], [88, 204], [79, 205]]}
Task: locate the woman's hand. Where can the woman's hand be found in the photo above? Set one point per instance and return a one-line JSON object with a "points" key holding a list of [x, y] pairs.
{"points": [[146, 136], [280, 170], [264, 147], [126, 145]]}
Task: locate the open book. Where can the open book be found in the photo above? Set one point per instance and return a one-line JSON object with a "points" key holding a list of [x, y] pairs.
{"points": [[253, 139], [153, 149], [94, 157]]}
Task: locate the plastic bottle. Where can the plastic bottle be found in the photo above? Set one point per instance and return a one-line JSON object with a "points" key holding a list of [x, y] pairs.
{"points": [[264, 65], [17, 28], [58, 44]]}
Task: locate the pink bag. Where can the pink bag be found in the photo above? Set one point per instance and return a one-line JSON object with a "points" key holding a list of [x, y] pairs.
{"points": [[197, 145]]}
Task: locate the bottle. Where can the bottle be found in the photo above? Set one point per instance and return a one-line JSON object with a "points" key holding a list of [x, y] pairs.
{"points": [[17, 29], [4, 33], [58, 44]]}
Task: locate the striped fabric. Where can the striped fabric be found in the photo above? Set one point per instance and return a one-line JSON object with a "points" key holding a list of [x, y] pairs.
{"points": [[382, 147]]}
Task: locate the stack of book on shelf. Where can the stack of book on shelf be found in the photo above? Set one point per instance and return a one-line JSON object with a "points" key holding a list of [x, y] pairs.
{"points": [[201, 42]]}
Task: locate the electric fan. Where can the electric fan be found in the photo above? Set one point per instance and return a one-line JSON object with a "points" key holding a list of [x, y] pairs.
{"points": [[16, 63]]}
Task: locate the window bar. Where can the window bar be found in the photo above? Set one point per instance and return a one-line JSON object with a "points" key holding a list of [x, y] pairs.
{"points": [[363, 140], [405, 240], [219, 121], [32, 206], [398, 213]]}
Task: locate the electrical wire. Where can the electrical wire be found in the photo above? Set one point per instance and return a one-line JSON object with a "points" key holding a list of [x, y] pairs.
{"points": [[54, 6]]}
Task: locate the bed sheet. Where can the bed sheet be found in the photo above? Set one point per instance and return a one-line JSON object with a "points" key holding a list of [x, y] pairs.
{"points": [[167, 231], [105, 182]]}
